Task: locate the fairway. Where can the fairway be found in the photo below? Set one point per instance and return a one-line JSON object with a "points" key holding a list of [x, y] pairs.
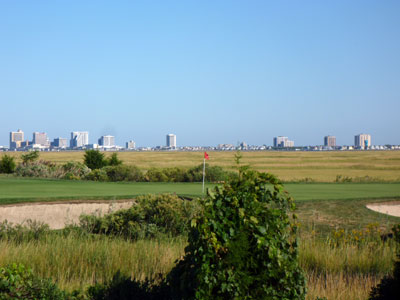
{"points": [[13, 190]]}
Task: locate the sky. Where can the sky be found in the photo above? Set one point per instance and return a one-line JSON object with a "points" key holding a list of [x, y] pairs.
{"points": [[210, 72]]}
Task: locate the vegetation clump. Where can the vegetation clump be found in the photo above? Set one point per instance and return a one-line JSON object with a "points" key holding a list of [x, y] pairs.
{"points": [[18, 282], [7, 164], [243, 246], [150, 216]]}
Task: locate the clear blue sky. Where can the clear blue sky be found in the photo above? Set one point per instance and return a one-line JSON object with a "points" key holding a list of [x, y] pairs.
{"points": [[209, 71]]}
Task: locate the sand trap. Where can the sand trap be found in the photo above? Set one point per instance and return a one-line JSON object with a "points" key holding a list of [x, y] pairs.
{"points": [[385, 208], [57, 215]]}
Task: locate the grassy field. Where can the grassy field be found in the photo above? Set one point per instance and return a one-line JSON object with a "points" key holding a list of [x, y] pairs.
{"points": [[13, 189], [289, 166]]}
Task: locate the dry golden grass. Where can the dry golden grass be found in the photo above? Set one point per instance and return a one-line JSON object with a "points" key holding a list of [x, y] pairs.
{"points": [[340, 286], [289, 166]]}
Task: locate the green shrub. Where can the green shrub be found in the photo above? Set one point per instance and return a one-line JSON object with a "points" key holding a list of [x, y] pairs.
{"points": [[94, 159], [97, 175], [149, 216], [75, 170], [7, 164], [18, 282], [113, 160], [30, 157], [243, 246], [124, 173]]}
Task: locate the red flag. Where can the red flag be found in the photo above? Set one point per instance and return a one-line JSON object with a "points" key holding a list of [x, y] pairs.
{"points": [[206, 156]]}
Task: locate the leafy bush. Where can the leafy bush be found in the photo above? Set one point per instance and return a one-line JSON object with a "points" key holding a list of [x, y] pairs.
{"points": [[151, 215], [94, 159], [18, 282], [124, 173], [97, 175], [243, 246], [75, 169], [213, 174], [7, 164], [38, 169], [30, 157], [113, 160]]}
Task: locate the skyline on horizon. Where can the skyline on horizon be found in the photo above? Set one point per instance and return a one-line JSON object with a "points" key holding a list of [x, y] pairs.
{"points": [[90, 141], [209, 72]]}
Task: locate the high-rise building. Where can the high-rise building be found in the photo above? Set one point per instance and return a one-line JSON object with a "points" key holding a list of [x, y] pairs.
{"points": [[16, 138], [79, 139], [60, 143], [282, 142], [171, 140], [107, 141], [362, 141], [330, 141], [130, 145], [40, 138]]}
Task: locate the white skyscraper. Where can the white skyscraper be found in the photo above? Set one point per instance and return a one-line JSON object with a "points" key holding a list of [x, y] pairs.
{"points": [[79, 139], [171, 140], [107, 141]]}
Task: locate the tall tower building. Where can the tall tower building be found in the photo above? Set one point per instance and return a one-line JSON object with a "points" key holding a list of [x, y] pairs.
{"points": [[171, 140], [79, 139], [330, 141], [16, 138], [362, 141], [40, 138], [107, 141]]}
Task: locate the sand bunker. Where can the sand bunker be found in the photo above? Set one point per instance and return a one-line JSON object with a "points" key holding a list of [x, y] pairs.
{"points": [[386, 208], [57, 215]]}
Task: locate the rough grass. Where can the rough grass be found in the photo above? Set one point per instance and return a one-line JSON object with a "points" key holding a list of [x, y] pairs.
{"points": [[289, 166]]}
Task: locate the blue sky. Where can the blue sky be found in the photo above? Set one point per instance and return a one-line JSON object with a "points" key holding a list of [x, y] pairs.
{"points": [[209, 71]]}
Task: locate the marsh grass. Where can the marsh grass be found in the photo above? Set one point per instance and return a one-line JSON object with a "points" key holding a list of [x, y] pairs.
{"points": [[76, 261], [289, 166]]}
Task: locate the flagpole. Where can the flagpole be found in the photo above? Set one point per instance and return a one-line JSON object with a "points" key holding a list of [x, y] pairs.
{"points": [[204, 172]]}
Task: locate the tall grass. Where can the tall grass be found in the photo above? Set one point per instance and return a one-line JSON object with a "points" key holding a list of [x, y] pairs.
{"points": [[336, 270], [76, 261]]}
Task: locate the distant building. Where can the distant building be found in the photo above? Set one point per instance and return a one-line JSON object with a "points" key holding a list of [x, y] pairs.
{"points": [[16, 139], [171, 140], [60, 143], [362, 141], [330, 141], [40, 138], [130, 145], [79, 139], [283, 142], [107, 141]]}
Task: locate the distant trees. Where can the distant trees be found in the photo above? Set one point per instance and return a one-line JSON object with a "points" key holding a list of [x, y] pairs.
{"points": [[7, 164]]}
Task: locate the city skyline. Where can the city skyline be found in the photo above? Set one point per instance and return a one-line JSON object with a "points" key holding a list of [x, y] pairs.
{"points": [[211, 72], [80, 139]]}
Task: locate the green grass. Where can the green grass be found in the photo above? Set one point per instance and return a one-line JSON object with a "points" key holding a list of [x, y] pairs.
{"points": [[13, 190]]}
